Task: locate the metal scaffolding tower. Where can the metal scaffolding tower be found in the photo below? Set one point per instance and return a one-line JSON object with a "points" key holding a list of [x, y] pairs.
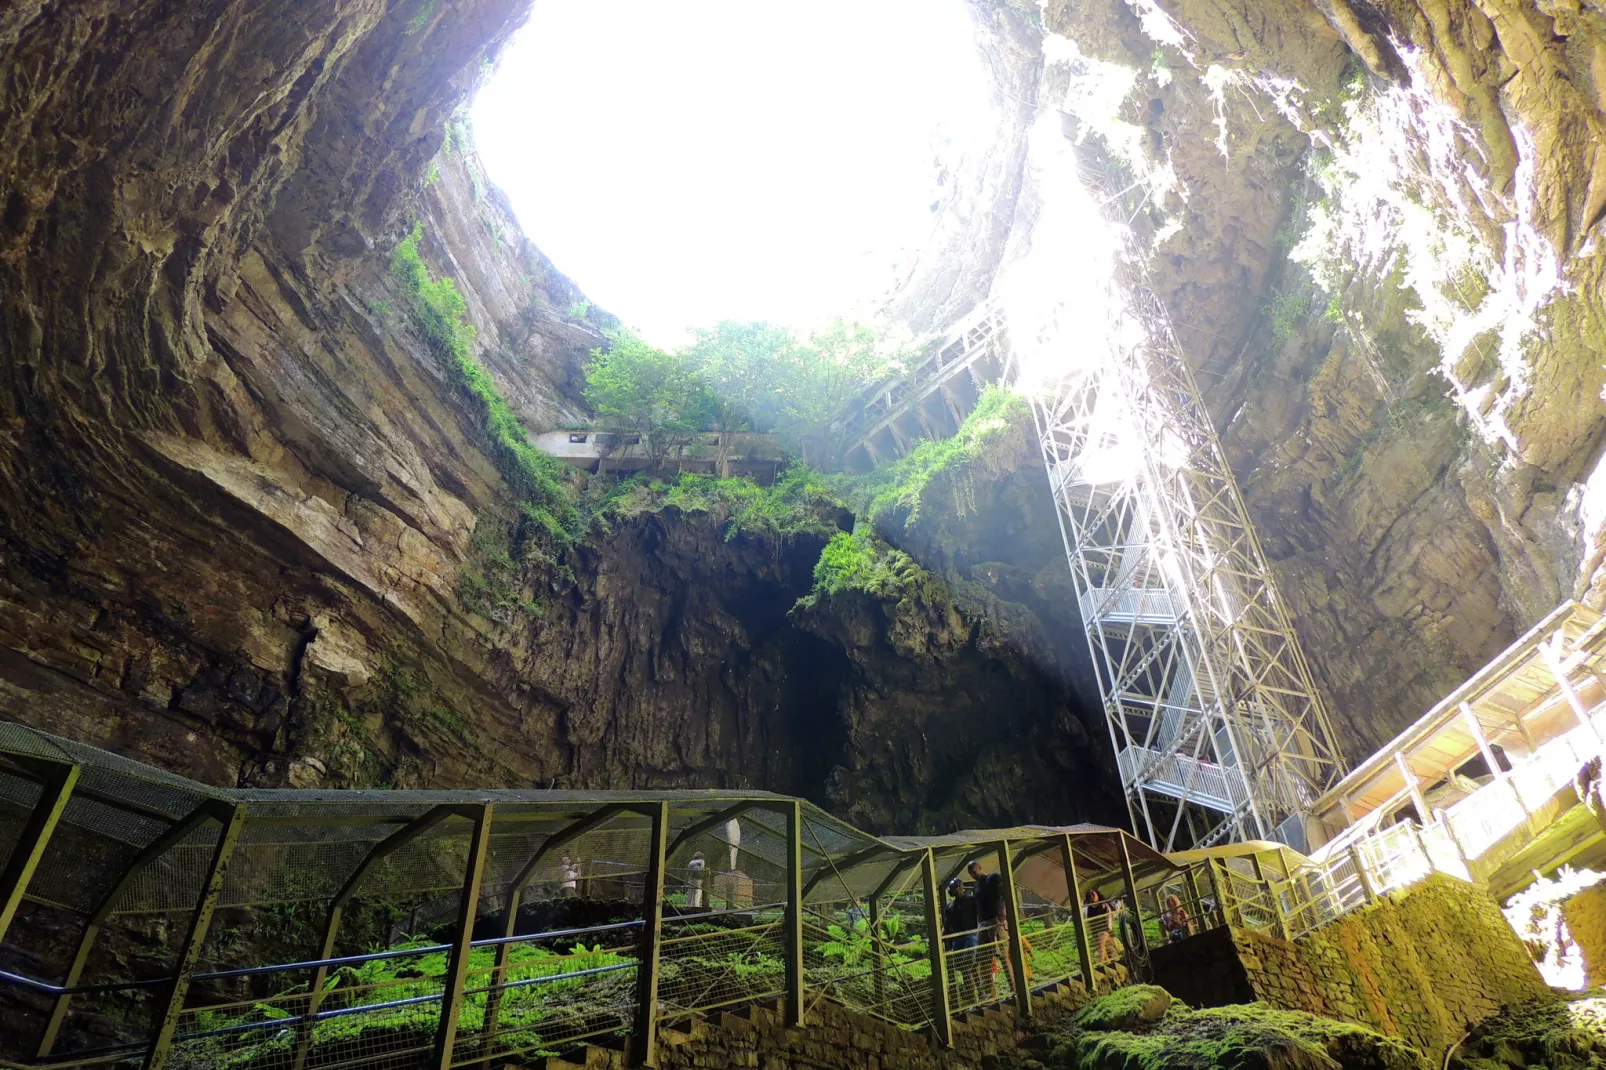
{"points": [[1217, 727]]}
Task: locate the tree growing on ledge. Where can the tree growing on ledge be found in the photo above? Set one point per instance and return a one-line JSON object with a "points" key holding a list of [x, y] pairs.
{"points": [[741, 376], [641, 390], [737, 365], [820, 381]]}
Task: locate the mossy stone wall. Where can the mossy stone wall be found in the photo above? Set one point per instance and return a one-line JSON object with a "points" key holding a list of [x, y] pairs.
{"points": [[1585, 914], [836, 1038], [1424, 965]]}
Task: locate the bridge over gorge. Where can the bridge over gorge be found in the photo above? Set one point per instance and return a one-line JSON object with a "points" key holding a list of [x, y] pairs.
{"points": [[318, 928]]}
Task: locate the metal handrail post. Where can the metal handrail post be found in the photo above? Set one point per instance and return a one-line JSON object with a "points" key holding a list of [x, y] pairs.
{"points": [[195, 938], [1073, 891], [1017, 948], [941, 1016], [652, 923], [468, 906], [1361, 875], [337, 910], [207, 811], [795, 1013], [58, 780]]}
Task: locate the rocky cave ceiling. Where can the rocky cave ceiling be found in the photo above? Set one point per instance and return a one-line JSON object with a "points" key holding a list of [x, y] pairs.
{"points": [[237, 491]]}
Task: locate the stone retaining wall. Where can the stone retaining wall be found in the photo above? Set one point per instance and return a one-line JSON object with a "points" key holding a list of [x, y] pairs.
{"points": [[1424, 965], [839, 1039], [1585, 915]]}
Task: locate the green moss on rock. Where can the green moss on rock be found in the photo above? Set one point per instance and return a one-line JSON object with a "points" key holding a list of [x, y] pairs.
{"points": [[1125, 1008], [1142, 1028], [1565, 1034], [899, 487]]}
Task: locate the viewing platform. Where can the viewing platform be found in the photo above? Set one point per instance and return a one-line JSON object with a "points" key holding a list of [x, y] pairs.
{"points": [[519, 921], [1490, 769], [758, 457]]}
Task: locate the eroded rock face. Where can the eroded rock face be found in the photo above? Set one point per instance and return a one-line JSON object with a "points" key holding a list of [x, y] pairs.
{"points": [[240, 492], [1416, 436], [984, 681]]}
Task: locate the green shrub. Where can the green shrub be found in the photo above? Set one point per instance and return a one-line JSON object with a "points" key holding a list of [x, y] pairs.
{"points": [[901, 485]]}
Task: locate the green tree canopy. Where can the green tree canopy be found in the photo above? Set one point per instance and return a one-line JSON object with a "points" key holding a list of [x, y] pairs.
{"points": [[638, 389], [742, 376]]}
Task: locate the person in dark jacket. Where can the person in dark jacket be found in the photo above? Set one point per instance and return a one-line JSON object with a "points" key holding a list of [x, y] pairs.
{"points": [[959, 924], [993, 918]]}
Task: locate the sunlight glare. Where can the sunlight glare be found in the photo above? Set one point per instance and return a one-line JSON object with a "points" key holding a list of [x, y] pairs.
{"points": [[698, 160]]}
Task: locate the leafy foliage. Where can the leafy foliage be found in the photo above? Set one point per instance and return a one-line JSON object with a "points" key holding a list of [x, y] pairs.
{"points": [[1110, 1033], [863, 563], [554, 992], [901, 485], [800, 502], [740, 376], [638, 389]]}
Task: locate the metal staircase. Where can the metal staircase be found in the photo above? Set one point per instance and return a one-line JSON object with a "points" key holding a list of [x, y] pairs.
{"points": [[1217, 726]]}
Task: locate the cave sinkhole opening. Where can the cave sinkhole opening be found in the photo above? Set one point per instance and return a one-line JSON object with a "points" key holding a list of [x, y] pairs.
{"points": [[712, 160]]}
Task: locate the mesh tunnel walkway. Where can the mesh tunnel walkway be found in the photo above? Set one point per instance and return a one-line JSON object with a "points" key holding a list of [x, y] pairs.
{"points": [[149, 920]]}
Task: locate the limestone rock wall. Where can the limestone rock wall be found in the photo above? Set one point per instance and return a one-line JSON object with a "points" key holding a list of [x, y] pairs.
{"points": [[1377, 230], [242, 498]]}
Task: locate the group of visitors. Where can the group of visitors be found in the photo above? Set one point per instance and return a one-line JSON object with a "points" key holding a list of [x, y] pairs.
{"points": [[1105, 917], [976, 923]]}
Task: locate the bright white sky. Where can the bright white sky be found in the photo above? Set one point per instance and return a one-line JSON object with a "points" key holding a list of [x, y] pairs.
{"points": [[689, 161]]}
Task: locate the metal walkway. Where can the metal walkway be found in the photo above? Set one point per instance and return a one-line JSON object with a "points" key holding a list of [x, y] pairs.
{"points": [[148, 920], [931, 399]]}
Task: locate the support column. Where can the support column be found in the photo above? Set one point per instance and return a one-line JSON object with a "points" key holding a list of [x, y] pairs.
{"points": [[195, 939], [468, 905], [86, 943], [1421, 804], [337, 909], [794, 913], [652, 923], [1017, 949], [1552, 656], [56, 789], [1475, 726], [878, 946], [934, 944], [1223, 889], [1271, 893], [1361, 875], [1142, 952], [493, 998], [1190, 880], [1073, 890]]}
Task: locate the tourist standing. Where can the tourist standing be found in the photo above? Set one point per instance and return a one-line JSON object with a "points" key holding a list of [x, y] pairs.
{"points": [[993, 920]]}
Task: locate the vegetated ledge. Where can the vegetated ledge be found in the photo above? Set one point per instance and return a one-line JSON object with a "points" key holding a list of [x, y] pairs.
{"points": [[883, 680], [1142, 1028]]}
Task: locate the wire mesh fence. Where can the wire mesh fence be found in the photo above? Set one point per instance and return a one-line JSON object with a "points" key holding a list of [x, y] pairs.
{"points": [[175, 925]]}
